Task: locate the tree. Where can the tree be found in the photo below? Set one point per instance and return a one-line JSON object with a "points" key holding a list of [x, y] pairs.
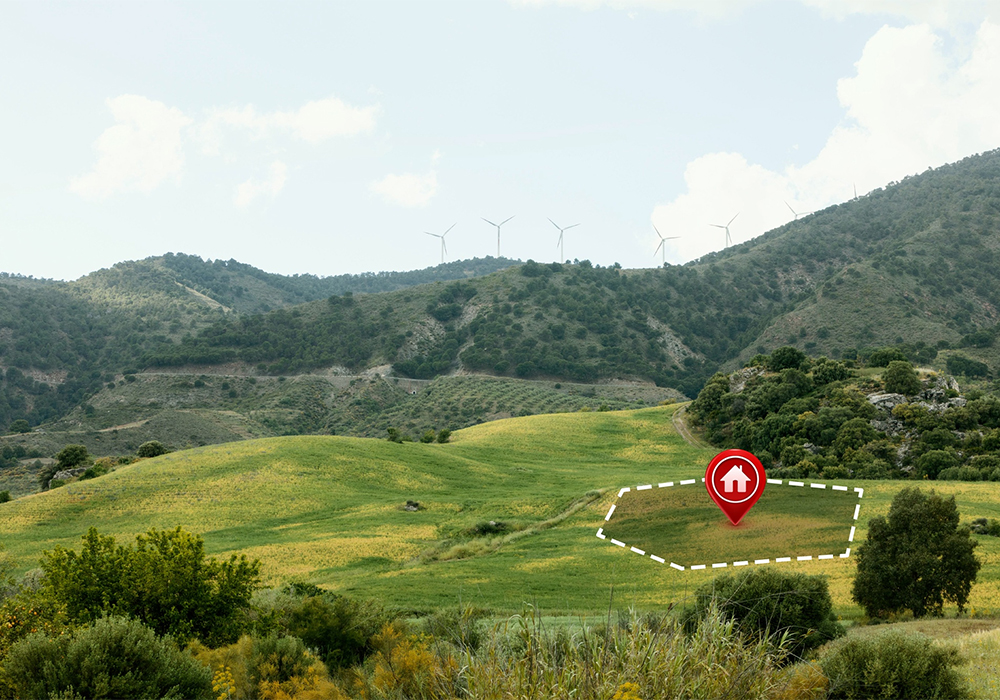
{"points": [[933, 462], [20, 426], [72, 456], [165, 581], [915, 559], [153, 448], [900, 378], [785, 358]]}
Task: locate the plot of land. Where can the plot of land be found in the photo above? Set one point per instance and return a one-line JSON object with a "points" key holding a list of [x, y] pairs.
{"points": [[682, 525]]}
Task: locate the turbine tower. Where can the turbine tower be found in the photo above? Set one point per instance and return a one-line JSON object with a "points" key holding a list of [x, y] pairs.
{"points": [[444, 248], [662, 246], [729, 239], [562, 253], [797, 213], [498, 229]]}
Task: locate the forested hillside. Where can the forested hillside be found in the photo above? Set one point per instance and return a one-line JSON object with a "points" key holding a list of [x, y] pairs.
{"points": [[912, 265]]}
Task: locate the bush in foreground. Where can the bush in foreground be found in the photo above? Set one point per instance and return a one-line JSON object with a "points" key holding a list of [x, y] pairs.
{"points": [[773, 603], [892, 665], [114, 658]]}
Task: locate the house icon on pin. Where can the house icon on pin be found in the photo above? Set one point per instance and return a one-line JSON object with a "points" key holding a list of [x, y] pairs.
{"points": [[735, 475]]}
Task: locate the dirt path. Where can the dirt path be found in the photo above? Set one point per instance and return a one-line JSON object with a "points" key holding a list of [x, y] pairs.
{"points": [[684, 431], [124, 426]]}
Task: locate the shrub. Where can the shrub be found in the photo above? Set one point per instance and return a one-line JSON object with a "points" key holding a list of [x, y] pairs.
{"points": [[460, 626], [444, 436], [113, 658], [785, 358], [427, 437], [959, 474], [4, 496], [153, 448], [339, 629], [771, 602], [164, 581], [892, 665], [900, 378], [882, 358], [933, 462], [958, 364]]}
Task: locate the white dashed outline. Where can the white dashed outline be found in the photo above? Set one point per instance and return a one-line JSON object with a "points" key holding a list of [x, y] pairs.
{"points": [[723, 565]]}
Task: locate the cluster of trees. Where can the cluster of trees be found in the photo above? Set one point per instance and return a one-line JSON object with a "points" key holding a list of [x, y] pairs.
{"points": [[806, 418]]}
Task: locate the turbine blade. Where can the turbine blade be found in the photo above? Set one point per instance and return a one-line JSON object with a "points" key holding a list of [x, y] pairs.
{"points": [[658, 247], [507, 219], [554, 223], [559, 242], [444, 246], [569, 227], [717, 226], [487, 221], [790, 208], [733, 219], [658, 232], [451, 227], [432, 234], [670, 238]]}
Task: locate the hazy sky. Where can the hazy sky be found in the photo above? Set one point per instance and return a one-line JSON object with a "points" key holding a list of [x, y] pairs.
{"points": [[327, 137]]}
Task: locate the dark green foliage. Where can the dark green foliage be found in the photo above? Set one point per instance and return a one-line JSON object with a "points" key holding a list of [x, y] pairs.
{"points": [[786, 358], [340, 629], [427, 437], [894, 666], [462, 627], [164, 581], [5, 496], [934, 462], [982, 526], [771, 602], [901, 378], [153, 448], [444, 436], [94, 472], [959, 364], [20, 426], [960, 474], [393, 435], [113, 658], [915, 559], [882, 358], [72, 456]]}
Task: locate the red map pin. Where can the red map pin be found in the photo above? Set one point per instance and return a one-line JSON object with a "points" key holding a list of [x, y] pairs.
{"points": [[735, 480]]}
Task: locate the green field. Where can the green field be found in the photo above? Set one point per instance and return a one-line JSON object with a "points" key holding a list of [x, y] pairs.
{"points": [[682, 525], [329, 510]]}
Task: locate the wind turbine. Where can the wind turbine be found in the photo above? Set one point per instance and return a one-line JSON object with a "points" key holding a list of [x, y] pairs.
{"points": [[797, 213], [444, 248], [662, 246], [562, 254], [498, 229], [729, 240]]}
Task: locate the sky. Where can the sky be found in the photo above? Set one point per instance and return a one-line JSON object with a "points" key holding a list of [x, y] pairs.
{"points": [[327, 138]]}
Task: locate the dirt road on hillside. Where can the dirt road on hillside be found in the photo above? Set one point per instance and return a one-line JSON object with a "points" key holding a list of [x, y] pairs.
{"points": [[684, 431]]}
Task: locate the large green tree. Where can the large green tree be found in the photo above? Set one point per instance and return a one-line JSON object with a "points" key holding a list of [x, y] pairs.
{"points": [[164, 580], [916, 558]]}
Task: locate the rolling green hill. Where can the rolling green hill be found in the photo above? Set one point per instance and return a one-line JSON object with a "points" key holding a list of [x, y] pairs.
{"points": [[508, 512]]}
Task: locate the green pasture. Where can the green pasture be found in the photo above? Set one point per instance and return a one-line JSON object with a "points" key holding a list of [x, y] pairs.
{"points": [[329, 510]]}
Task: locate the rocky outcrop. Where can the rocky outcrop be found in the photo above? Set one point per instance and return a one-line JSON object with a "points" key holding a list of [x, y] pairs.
{"points": [[738, 380], [65, 474], [886, 402]]}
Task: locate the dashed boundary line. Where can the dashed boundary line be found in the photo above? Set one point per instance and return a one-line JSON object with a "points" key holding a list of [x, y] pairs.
{"points": [[744, 562]]}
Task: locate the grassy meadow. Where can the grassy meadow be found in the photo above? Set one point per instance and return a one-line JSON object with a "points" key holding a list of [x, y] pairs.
{"points": [[329, 510]]}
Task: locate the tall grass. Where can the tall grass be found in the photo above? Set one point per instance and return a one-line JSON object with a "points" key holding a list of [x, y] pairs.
{"points": [[639, 656]]}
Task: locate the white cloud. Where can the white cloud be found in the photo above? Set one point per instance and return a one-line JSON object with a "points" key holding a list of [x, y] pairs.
{"points": [[138, 153], [409, 189], [250, 190], [909, 107], [313, 122]]}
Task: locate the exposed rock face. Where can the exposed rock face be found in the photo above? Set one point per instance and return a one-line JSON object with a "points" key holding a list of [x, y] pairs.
{"points": [[64, 474], [886, 402], [890, 426], [738, 379]]}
